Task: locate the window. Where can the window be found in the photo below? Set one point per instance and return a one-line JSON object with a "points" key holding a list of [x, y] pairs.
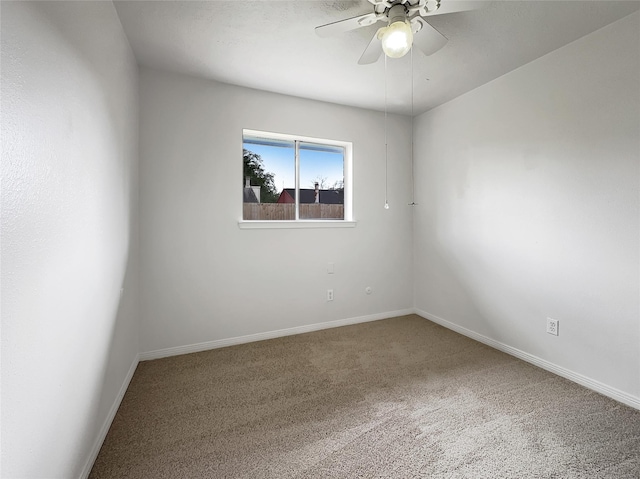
{"points": [[295, 179]]}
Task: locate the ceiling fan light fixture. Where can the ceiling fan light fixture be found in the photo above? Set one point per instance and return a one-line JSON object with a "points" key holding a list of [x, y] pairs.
{"points": [[397, 39]]}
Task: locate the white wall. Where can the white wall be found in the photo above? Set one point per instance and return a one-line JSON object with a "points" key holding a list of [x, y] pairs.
{"points": [[69, 234], [529, 208], [203, 278]]}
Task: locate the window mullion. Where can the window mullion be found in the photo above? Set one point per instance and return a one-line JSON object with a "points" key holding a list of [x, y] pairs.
{"points": [[297, 160]]}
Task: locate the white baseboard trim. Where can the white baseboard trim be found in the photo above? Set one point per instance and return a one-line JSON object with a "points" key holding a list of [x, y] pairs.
{"points": [[221, 343], [86, 470], [585, 381]]}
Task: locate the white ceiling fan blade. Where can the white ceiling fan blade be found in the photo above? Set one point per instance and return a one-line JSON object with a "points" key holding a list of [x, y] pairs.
{"points": [[372, 52], [428, 39], [452, 6], [336, 28]]}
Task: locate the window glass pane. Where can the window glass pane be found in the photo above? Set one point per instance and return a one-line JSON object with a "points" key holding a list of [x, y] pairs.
{"points": [[288, 178], [321, 181], [269, 179]]}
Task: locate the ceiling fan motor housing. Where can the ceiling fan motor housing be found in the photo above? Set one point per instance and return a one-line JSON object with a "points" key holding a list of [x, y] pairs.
{"points": [[397, 13]]}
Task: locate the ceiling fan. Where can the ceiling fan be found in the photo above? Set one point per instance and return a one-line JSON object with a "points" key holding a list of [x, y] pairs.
{"points": [[406, 26]]}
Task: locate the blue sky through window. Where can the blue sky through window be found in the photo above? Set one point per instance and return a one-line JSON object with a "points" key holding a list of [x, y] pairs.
{"points": [[314, 165]]}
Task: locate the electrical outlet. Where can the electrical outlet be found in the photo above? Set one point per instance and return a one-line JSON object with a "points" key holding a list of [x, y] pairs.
{"points": [[552, 326], [329, 295]]}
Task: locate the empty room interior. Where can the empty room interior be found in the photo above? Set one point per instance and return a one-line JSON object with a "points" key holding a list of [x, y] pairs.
{"points": [[315, 239]]}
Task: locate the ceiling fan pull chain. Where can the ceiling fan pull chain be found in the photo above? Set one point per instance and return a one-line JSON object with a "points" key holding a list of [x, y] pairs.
{"points": [[413, 181], [386, 146]]}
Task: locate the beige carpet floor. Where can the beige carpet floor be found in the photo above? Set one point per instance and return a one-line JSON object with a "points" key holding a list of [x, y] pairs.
{"points": [[399, 398]]}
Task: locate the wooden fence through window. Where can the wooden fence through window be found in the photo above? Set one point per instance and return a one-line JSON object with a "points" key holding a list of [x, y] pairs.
{"points": [[286, 211]]}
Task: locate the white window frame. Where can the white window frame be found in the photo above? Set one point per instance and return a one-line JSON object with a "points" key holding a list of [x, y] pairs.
{"points": [[347, 222]]}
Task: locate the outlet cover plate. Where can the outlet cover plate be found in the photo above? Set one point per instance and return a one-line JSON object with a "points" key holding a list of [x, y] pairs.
{"points": [[552, 326]]}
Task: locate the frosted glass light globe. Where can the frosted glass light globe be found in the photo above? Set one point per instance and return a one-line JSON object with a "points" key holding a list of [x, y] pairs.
{"points": [[397, 39]]}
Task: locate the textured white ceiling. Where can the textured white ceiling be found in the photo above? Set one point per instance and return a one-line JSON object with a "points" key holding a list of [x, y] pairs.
{"points": [[272, 46]]}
